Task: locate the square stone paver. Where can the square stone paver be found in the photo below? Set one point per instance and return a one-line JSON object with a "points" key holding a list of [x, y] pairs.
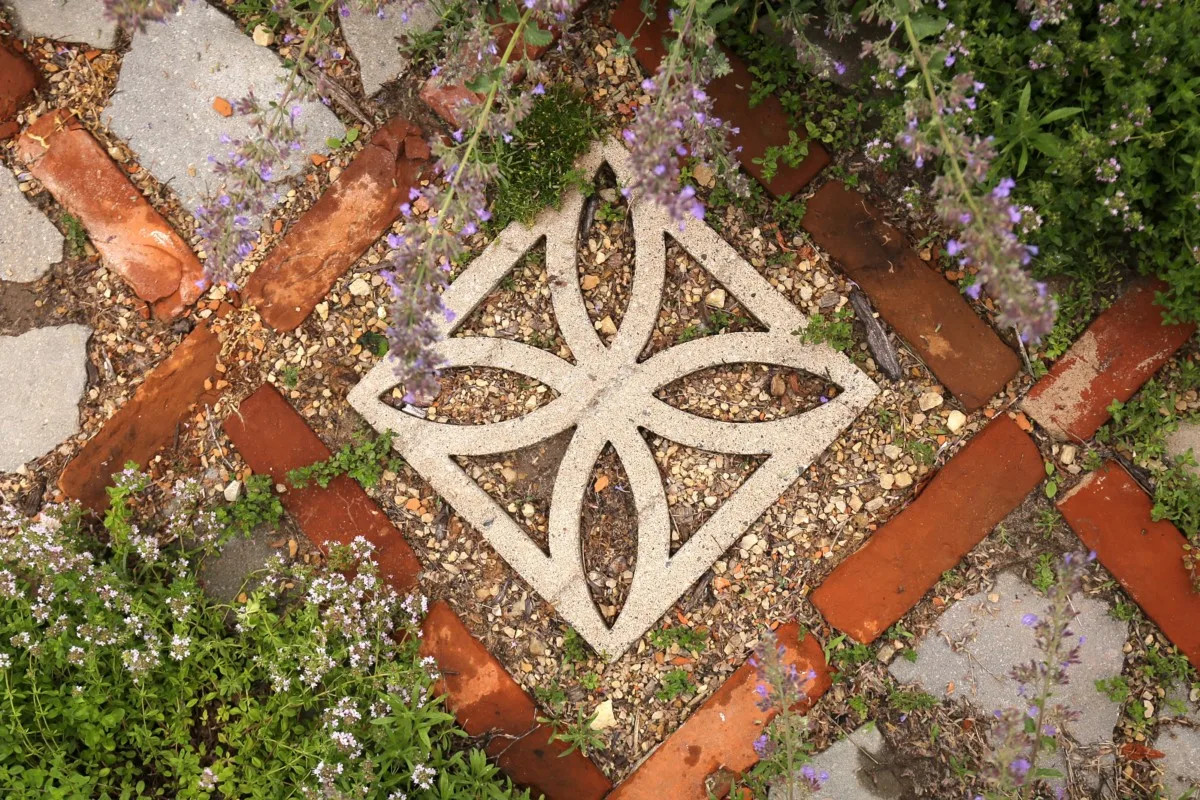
{"points": [[29, 243], [163, 103], [66, 21], [375, 41]]}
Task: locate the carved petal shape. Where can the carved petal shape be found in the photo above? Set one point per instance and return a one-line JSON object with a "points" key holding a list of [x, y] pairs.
{"points": [[607, 396]]}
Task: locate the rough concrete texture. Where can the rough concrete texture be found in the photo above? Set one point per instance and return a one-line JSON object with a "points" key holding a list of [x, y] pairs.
{"points": [[66, 21], [375, 40], [163, 104], [993, 641], [607, 396], [1180, 747], [29, 243], [44, 373], [1186, 438], [857, 767], [232, 570]]}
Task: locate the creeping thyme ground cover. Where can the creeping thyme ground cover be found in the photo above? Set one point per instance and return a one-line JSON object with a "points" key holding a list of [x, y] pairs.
{"points": [[120, 678]]}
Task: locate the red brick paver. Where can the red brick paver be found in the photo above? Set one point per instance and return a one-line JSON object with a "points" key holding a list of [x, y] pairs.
{"points": [[486, 700], [961, 349], [274, 439], [356, 210], [18, 79], [904, 559], [134, 239], [765, 125], [1111, 515], [148, 422], [720, 733], [1118, 352]]}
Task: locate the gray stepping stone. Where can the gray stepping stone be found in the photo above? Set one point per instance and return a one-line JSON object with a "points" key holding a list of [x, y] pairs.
{"points": [[993, 640], [163, 104], [1184, 439], [374, 41], [232, 570], [66, 21], [29, 243], [858, 767], [1181, 760], [44, 373]]}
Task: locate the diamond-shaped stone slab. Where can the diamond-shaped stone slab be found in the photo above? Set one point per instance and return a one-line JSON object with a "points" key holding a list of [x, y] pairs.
{"points": [[44, 373], [66, 21], [29, 243], [993, 641], [606, 397], [374, 40], [163, 104]]}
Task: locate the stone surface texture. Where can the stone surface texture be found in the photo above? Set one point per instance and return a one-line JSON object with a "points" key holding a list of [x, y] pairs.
{"points": [[375, 41], [1183, 440], [1180, 747], [904, 559], [1118, 352], [147, 422], [857, 768], [18, 79], [927, 310], [44, 373], [163, 104], [134, 239], [66, 21], [356, 210], [607, 396], [29, 243], [274, 439], [720, 734], [236, 568], [765, 125], [990, 639], [1111, 515], [487, 701]]}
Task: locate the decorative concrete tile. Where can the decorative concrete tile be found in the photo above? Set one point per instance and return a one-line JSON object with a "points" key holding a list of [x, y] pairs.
{"points": [[990, 640], [606, 397], [163, 103], [857, 767], [44, 373]]}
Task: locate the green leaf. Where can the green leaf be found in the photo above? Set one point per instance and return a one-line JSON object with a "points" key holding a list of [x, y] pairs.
{"points": [[1023, 102], [924, 25], [719, 15], [536, 37], [1060, 113], [1051, 489], [333, 143], [1048, 145], [480, 83], [351, 135], [1023, 161], [510, 14]]}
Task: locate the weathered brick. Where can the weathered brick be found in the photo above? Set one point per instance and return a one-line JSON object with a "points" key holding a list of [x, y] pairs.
{"points": [[18, 79], [901, 561], [134, 239], [486, 700], [356, 210], [1111, 515], [961, 349], [148, 422], [1119, 351], [720, 734], [274, 439], [765, 125]]}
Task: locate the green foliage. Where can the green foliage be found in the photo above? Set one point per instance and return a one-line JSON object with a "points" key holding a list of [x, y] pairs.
{"points": [[675, 683], [1126, 91], [334, 143], [907, 701], [1050, 487], [836, 330], [252, 13], [575, 649], [257, 504], [535, 168], [590, 681], [119, 677], [364, 459], [375, 342], [1115, 688], [923, 452], [552, 697], [1124, 612], [610, 212], [75, 235], [845, 658], [578, 735], [1044, 575], [290, 375], [690, 639]]}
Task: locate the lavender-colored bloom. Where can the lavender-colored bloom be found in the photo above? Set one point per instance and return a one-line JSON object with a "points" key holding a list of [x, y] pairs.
{"points": [[1029, 620]]}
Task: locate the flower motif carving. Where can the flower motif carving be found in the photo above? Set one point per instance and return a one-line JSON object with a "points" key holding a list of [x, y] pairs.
{"points": [[606, 396]]}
